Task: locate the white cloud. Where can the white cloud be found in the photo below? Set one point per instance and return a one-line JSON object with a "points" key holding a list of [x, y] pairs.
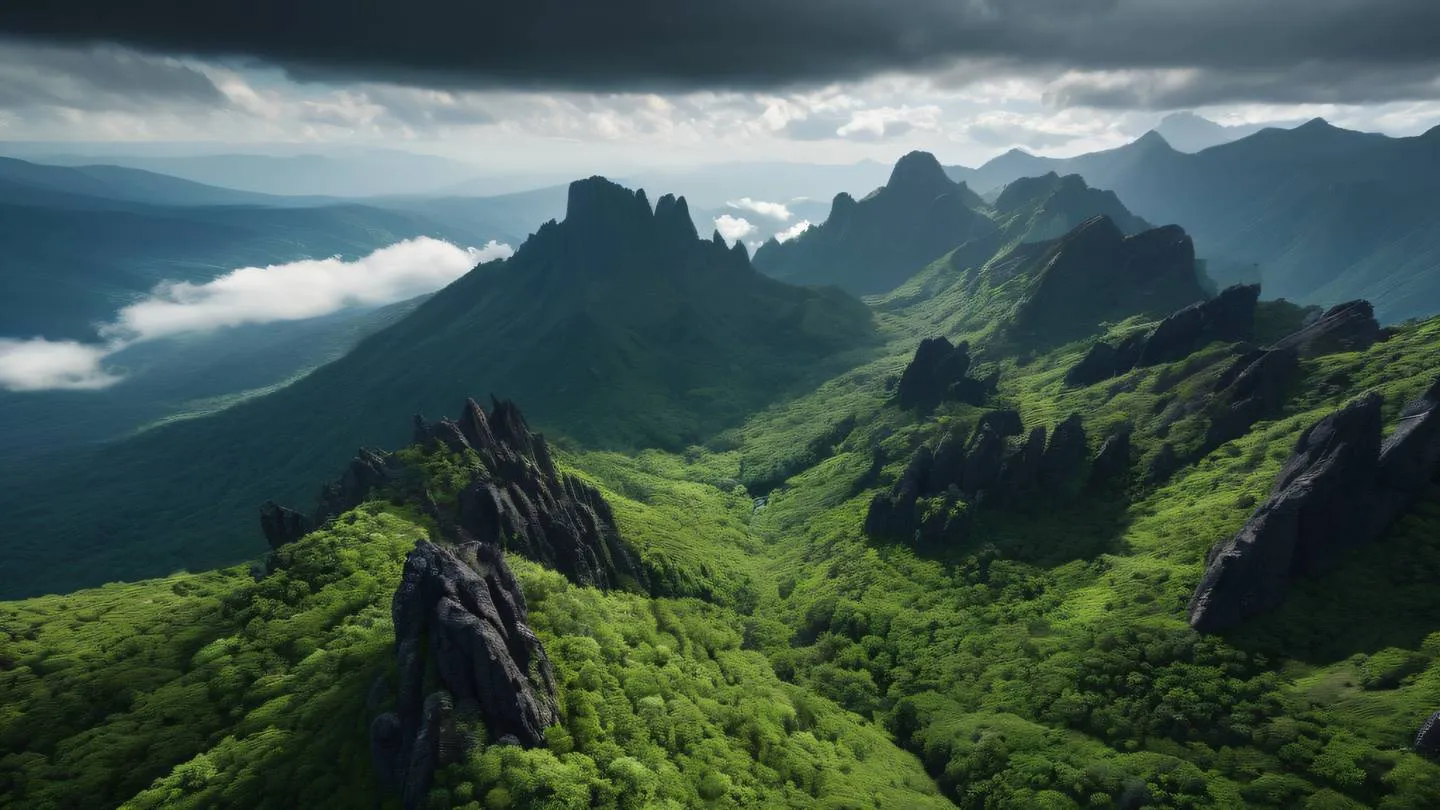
{"points": [[284, 292], [773, 210], [733, 228], [38, 364], [793, 231], [297, 290]]}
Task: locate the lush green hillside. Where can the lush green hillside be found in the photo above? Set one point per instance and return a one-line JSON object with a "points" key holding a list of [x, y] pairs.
{"points": [[1319, 214], [622, 327], [1019, 648]]}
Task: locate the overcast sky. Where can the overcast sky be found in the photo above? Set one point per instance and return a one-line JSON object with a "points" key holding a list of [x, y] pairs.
{"points": [[568, 85]]}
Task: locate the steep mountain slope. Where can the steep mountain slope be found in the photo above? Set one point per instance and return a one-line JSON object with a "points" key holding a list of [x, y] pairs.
{"points": [[1319, 214], [872, 245], [182, 377], [618, 326]]}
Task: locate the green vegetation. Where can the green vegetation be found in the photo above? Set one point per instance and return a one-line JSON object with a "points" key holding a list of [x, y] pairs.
{"points": [[793, 661]]}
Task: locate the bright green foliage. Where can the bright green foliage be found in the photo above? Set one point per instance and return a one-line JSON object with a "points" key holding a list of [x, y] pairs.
{"points": [[794, 661], [228, 691], [663, 708]]}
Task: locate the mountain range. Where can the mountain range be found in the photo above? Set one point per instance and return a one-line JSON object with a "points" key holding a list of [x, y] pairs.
{"points": [[618, 310], [1050, 519], [874, 244], [1318, 214]]}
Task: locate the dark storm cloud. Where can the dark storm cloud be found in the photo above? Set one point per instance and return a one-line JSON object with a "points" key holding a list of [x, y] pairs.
{"points": [[751, 44], [98, 78]]}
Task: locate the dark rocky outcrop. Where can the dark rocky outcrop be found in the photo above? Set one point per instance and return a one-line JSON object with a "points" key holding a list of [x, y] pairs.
{"points": [[1111, 466], [1427, 739], [459, 614], [1341, 488], [282, 525], [938, 373], [519, 501], [516, 499], [1229, 316], [1253, 387], [989, 471], [1064, 455], [1347, 327], [367, 473]]}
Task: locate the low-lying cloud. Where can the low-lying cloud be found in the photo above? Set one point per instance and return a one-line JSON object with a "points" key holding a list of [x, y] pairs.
{"points": [[773, 210], [733, 229], [249, 295], [38, 364], [793, 231], [299, 290]]}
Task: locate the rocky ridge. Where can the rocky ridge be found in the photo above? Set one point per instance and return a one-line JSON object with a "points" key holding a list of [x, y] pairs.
{"points": [[935, 498], [464, 651], [1341, 488]]}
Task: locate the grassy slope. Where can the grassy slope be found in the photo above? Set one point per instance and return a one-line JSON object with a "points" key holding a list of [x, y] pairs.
{"points": [[1045, 663]]}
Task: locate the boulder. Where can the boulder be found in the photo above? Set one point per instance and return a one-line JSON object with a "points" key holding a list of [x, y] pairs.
{"points": [[459, 613], [282, 525], [1348, 327], [1003, 423], [369, 472], [1064, 456], [929, 378], [1112, 463], [1020, 473], [1254, 387], [1341, 488], [1098, 365], [1229, 316], [983, 457], [1427, 739]]}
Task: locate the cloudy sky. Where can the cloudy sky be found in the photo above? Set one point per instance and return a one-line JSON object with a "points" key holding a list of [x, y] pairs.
{"points": [[571, 84]]}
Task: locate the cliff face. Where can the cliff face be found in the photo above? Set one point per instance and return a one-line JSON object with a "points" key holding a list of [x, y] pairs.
{"points": [[464, 650], [459, 614], [1340, 489]]}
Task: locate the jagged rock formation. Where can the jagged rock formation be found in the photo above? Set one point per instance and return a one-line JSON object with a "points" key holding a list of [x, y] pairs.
{"points": [[369, 472], [520, 501], [1229, 316], [1112, 462], [938, 373], [1348, 327], [282, 525], [1253, 387], [516, 498], [1095, 273], [936, 495], [1341, 488], [1427, 739], [874, 244], [460, 614]]}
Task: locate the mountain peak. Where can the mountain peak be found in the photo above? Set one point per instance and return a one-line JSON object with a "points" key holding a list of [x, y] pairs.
{"points": [[1316, 124], [597, 199], [1153, 140], [920, 171]]}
